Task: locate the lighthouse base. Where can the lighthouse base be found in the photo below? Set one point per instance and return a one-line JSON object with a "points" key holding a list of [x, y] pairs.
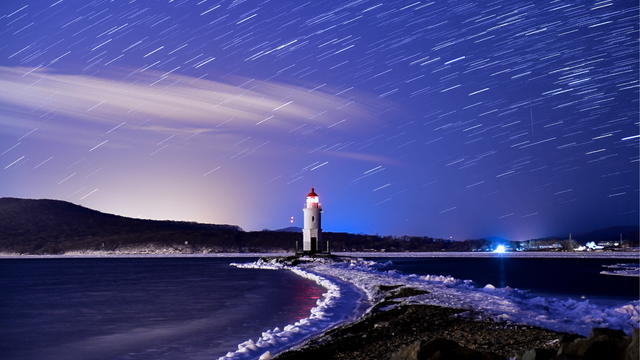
{"points": [[314, 247]]}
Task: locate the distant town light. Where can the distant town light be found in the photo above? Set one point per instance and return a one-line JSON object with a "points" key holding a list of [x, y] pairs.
{"points": [[500, 249]]}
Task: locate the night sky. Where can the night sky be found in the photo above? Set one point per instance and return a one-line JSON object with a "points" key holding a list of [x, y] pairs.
{"points": [[466, 119]]}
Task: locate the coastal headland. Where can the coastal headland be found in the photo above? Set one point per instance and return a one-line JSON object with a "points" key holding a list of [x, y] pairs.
{"points": [[404, 322]]}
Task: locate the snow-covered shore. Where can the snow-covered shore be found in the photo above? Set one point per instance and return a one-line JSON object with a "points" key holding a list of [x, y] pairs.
{"points": [[523, 254], [502, 304], [170, 252], [341, 302], [483, 302], [161, 252], [133, 254], [631, 269]]}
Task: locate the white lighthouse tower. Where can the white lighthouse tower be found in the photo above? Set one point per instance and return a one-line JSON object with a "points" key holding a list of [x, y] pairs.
{"points": [[312, 231]]}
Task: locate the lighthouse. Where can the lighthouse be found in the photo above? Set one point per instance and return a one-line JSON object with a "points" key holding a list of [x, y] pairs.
{"points": [[312, 231]]}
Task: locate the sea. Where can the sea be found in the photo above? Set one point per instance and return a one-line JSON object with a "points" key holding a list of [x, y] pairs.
{"points": [[142, 308], [578, 278], [201, 308]]}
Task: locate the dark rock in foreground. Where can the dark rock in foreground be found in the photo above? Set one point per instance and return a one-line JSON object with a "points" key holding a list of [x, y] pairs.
{"points": [[601, 344], [426, 332], [440, 349]]}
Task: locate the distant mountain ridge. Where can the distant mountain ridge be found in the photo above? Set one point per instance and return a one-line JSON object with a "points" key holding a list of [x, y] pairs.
{"points": [[49, 226], [290, 229], [44, 226]]}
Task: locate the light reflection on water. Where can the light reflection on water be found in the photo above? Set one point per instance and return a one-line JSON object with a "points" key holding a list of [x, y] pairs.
{"points": [[144, 308], [578, 278]]}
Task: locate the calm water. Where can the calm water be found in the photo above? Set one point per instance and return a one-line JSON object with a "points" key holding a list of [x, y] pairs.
{"points": [[557, 277], [200, 308], [141, 308]]}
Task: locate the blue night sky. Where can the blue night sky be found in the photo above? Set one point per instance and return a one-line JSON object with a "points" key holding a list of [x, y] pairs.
{"points": [[444, 118]]}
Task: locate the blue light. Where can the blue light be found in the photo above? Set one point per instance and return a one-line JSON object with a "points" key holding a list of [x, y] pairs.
{"points": [[500, 249]]}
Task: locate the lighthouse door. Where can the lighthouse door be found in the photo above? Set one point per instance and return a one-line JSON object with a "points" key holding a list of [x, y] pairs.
{"points": [[314, 244]]}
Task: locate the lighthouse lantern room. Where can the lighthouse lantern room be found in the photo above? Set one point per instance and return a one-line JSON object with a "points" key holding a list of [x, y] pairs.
{"points": [[312, 231]]}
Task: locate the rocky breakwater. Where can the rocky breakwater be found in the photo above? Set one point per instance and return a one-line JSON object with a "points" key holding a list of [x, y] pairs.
{"points": [[416, 331]]}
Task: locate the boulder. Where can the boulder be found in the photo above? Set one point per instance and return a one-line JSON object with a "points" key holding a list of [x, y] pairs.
{"points": [[408, 352], [538, 354], [441, 349], [634, 346], [601, 344]]}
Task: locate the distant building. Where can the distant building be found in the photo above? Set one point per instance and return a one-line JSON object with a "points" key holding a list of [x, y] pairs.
{"points": [[312, 231], [543, 245]]}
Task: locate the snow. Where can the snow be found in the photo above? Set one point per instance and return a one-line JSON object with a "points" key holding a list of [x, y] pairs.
{"points": [[483, 302], [151, 251], [352, 286], [503, 304], [339, 303], [622, 270], [140, 253], [522, 254]]}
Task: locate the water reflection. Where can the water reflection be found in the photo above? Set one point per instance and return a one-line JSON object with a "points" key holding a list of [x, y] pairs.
{"points": [[306, 294], [502, 274]]}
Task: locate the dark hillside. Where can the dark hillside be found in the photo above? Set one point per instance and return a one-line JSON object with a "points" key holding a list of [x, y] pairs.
{"points": [[55, 227]]}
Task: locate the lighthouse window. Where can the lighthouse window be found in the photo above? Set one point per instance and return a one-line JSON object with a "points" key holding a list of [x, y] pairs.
{"points": [[313, 218]]}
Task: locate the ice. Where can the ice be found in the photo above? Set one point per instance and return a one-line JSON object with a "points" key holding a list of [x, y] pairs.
{"points": [[524, 254], [140, 252], [503, 304], [483, 302], [622, 270], [329, 311]]}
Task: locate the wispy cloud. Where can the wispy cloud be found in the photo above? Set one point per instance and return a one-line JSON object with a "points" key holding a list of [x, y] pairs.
{"points": [[175, 100]]}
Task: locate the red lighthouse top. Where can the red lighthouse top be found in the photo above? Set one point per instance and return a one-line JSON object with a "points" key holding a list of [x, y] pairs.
{"points": [[313, 201]]}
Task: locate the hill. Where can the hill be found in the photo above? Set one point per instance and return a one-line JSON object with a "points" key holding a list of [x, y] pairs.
{"points": [[30, 226], [53, 226]]}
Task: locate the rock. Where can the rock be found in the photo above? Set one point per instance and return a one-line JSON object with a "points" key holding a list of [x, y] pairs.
{"points": [[405, 330], [595, 332], [380, 325], [388, 287], [265, 356], [404, 292], [440, 349], [409, 352], [601, 344], [538, 354], [634, 346], [383, 305], [443, 349], [567, 338]]}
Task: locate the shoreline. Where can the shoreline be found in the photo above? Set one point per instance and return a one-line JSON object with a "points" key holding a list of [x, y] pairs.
{"points": [[141, 255], [635, 255], [393, 333], [523, 255], [412, 332], [390, 303], [342, 303], [473, 317]]}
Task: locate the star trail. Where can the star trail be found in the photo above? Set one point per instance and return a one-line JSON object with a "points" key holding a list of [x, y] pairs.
{"points": [[443, 118]]}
